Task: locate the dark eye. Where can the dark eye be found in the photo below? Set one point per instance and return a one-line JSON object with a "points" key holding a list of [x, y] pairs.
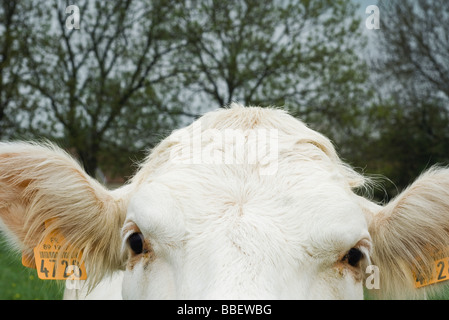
{"points": [[135, 242], [353, 257]]}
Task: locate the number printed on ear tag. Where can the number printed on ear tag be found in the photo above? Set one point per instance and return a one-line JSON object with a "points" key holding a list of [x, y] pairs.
{"points": [[52, 264], [441, 273]]}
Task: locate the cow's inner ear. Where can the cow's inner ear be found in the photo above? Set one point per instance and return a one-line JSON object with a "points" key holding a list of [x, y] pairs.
{"points": [[408, 231], [43, 183]]}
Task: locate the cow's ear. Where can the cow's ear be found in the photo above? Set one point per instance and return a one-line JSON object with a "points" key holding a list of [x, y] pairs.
{"points": [[40, 183], [411, 233]]}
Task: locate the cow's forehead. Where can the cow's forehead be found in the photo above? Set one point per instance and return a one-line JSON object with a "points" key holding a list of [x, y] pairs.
{"points": [[307, 206], [265, 134], [302, 190]]}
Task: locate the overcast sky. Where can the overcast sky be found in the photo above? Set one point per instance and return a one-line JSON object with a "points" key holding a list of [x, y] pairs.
{"points": [[365, 3]]}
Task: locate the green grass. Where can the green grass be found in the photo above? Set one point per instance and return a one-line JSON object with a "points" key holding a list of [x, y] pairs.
{"points": [[20, 283]]}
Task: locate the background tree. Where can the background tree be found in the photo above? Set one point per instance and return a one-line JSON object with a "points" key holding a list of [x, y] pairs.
{"points": [[410, 121], [14, 16], [94, 83], [297, 54], [137, 69]]}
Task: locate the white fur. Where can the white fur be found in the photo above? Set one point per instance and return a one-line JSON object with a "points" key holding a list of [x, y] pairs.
{"points": [[226, 231]]}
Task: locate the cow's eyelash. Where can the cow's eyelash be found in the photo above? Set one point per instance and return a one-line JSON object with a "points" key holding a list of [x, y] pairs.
{"points": [[128, 229], [357, 255]]}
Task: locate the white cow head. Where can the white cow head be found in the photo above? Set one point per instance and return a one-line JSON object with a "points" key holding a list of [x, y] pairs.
{"points": [[269, 213]]}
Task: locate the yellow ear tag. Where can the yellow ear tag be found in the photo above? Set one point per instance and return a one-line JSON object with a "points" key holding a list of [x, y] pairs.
{"points": [[52, 264], [440, 273]]}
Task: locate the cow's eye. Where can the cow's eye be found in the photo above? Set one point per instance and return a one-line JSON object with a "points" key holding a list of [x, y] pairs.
{"points": [[135, 242], [353, 257]]}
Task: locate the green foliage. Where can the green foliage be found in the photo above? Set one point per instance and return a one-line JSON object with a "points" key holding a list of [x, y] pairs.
{"points": [[299, 55], [14, 50], [270, 53], [137, 69], [409, 119], [86, 83], [405, 141]]}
